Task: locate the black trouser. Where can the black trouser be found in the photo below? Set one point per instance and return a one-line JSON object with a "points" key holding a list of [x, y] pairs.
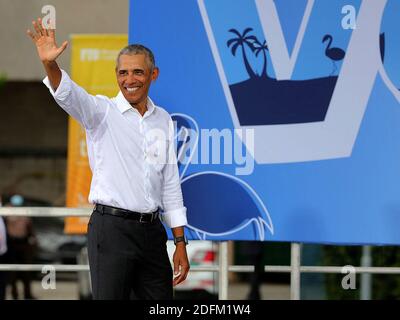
{"points": [[127, 257]]}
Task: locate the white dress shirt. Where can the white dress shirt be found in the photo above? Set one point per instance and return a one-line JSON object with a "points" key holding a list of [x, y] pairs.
{"points": [[132, 158]]}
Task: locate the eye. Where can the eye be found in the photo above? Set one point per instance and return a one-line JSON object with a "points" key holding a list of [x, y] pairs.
{"points": [[139, 72], [122, 72]]}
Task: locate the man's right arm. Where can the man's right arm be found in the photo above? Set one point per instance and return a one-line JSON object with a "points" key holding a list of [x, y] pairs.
{"points": [[87, 109], [48, 51], [53, 73]]}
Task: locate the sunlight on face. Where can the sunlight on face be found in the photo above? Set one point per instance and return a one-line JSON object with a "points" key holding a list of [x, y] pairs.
{"points": [[134, 77]]}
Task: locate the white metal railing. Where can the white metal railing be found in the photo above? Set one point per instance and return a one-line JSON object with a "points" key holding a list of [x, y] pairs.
{"points": [[295, 269], [45, 212]]}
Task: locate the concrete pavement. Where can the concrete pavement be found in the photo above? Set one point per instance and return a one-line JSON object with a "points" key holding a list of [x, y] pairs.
{"points": [[68, 290]]}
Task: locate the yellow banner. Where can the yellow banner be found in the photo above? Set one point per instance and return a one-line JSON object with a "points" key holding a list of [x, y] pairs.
{"points": [[93, 68]]}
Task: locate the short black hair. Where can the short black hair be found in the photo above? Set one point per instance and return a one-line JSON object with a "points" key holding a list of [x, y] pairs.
{"points": [[136, 48]]}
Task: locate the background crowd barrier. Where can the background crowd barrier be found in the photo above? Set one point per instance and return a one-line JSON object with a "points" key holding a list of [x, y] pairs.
{"points": [[223, 268]]}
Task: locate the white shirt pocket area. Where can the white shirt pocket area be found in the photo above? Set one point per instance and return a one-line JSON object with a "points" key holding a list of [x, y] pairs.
{"points": [[157, 153]]}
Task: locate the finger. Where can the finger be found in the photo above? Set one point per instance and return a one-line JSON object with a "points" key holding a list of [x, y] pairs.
{"points": [[52, 33], [181, 277], [31, 35], [176, 268], [43, 30], [177, 280], [62, 48], [37, 29], [64, 45], [183, 272]]}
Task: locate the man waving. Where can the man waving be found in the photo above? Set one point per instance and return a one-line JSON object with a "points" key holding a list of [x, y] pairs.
{"points": [[135, 175]]}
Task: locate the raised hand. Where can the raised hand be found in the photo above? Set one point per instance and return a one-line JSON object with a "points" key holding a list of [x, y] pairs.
{"points": [[45, 41]]}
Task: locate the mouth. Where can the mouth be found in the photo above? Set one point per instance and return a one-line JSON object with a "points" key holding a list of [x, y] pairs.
{"points": [[131, 89]]}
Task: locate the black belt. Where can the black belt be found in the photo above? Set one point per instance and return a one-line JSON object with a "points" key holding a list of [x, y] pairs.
{"points": [[127, 214]]}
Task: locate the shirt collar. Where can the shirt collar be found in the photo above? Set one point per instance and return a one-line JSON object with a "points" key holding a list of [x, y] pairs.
{"points": [[123, 104]]}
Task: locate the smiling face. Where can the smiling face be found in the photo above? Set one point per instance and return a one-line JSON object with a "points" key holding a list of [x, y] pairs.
{"points": [[134, 76]]}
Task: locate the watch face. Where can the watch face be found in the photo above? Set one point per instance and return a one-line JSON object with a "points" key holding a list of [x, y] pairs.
{"points": [[180, 239]]}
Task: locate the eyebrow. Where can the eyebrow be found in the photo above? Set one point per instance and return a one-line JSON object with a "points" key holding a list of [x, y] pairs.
{"points": [[134, 70]]}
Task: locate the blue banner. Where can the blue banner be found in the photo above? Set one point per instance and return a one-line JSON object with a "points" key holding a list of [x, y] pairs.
{"points": [[287, 115]]}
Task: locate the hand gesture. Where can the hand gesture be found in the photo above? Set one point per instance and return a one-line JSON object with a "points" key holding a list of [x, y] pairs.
{"points": [[45, 41]]}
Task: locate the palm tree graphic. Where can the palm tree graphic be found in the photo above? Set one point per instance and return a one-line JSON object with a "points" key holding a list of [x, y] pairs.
{"points": [[242, 40], [262, 47]]}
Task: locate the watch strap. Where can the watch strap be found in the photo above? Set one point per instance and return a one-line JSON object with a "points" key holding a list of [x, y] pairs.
{"points": [[180, 239]]}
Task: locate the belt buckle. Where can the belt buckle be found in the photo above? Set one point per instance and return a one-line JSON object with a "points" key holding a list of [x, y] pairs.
{"points": [[142, 215], [152, 217]]}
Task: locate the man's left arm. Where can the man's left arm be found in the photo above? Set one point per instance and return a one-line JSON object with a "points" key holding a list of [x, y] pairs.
{"points": [[175, 212]]}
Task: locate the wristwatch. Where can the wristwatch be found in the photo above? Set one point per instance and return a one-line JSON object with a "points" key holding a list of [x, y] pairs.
{"points": [[180, 239]]}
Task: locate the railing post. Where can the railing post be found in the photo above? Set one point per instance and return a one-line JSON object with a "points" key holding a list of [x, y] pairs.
{"points": [[295, 271], [366, 278], [223, 270]]}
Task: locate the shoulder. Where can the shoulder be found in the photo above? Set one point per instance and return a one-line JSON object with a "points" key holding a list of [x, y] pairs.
{"points": [[105, 98], [162, 113], [105, 103]]}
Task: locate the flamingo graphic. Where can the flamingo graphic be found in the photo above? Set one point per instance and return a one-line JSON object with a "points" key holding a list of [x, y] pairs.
{"points": [[335, 54], [218, 204]]}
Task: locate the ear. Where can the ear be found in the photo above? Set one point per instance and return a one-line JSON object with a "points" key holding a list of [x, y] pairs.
{"points": [[155, 74]]}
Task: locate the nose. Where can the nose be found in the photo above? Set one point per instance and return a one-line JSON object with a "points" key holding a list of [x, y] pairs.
{"points": [[130, 78]]}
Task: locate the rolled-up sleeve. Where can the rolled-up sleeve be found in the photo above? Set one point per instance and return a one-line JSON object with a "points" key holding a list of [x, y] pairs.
{"points": [[174, 210], [87, 109]]}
